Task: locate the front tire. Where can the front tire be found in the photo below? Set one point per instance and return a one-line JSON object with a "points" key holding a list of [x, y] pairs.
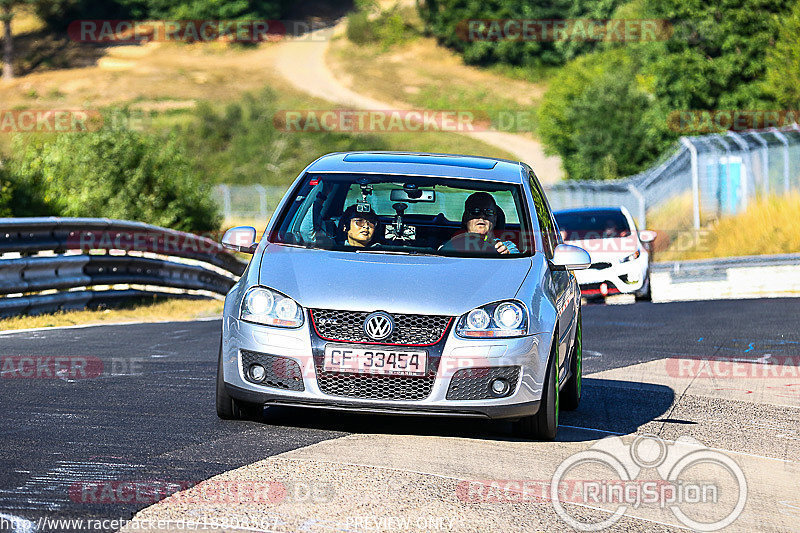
{"points": [[544, 424], [644, 294], [229, 408], [571, 395]]}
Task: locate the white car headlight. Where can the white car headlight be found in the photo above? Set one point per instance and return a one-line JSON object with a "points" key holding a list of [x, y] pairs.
{"points": [[271, 308], [634, 255], [501, 319]]}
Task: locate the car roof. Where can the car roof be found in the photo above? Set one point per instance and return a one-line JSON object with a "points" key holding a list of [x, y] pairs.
{"points": [[420, 164]]}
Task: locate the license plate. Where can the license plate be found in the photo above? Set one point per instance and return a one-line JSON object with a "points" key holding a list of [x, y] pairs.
{"points": [[379, 360]]}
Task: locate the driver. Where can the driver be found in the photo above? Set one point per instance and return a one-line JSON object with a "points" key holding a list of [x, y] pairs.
{"points": [[359, 229], [480, 216]]}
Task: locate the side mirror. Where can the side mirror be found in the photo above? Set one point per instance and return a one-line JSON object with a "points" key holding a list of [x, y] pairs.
{"points": [[240, 239], [647, 235], [569, 257]]}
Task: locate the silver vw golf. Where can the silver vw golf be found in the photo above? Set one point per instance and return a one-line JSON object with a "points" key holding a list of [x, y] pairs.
{"points": [[403, 283]]}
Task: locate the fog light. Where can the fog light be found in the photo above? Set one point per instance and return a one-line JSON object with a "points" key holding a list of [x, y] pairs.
{"points": [[604, 289], [500, 386], [257, 372]]}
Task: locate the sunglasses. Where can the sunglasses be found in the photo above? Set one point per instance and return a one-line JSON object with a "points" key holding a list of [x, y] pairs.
{"points": [[482, 212], [361, 223]]}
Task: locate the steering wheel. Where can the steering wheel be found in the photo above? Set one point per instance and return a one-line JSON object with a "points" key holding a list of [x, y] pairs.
{"points": [[471, 242]]}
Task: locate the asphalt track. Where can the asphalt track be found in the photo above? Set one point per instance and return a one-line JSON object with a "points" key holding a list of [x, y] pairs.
{"points": [[149, 416]]}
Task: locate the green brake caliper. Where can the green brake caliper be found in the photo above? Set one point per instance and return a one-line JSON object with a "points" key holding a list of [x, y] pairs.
{"points": [[579, 353]]}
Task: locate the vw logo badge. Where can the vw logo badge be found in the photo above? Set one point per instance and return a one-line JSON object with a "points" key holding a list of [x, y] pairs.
{"points": [[378, 326]]}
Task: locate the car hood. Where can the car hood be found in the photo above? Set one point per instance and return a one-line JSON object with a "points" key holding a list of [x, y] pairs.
{"points": [[610, 250], [322, 279]]}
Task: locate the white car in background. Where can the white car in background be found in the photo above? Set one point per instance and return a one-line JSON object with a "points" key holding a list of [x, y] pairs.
{"points": [[620, 257]]}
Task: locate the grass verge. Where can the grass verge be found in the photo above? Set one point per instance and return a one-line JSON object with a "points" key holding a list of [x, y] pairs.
{"points": [[176, 309], [768, 226]]}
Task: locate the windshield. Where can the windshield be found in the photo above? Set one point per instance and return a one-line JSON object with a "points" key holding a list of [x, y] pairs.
{"points": [[406, 214], [585, 225]]}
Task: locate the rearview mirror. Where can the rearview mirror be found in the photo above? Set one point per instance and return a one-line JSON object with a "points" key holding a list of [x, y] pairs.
{"points": [[647, 235], [569, 257], [240, 239], [414, 195]]}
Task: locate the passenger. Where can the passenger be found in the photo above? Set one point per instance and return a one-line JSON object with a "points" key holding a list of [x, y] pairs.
{"points": [[480, 216], [359, 229]]}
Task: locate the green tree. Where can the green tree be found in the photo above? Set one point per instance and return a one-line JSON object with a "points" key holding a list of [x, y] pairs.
{"points": [[600, 117], [447, 21], [716, 57], [6, 16], [59, 13], [783, 62]]}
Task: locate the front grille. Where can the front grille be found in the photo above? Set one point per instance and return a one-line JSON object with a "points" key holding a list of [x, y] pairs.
{"points": [[600, 266], [375, 387], [473, 383], [348, 326], [282, 372]]}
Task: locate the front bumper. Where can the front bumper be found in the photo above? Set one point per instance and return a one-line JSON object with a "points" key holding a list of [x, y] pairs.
{"points": [[529, 353], [624, 278]]}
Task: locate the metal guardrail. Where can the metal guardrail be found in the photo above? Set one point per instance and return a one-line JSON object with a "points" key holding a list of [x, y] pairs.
{"points": [[702, 268], [31, 235], [90, 256], [727, 277]]}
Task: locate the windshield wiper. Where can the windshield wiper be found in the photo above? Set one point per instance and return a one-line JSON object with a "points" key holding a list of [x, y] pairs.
{"points": [[393, 252]]}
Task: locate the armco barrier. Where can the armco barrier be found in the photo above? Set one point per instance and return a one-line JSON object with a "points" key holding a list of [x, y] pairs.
{"points": [[87, 257], [763, 276]]}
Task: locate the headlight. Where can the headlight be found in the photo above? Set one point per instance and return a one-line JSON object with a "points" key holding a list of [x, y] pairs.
{"points": [[634, 255], [502, 319], [271, 308]]}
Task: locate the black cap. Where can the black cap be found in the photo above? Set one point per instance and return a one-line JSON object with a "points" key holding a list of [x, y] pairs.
{"points": [[352, 212]]}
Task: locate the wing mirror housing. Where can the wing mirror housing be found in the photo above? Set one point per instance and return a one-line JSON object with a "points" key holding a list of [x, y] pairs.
{"points": [[240, 239], [569, 257], [647, 236]]}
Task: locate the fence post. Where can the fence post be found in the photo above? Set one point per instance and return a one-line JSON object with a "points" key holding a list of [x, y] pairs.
{"points": [[765, 159], [748, 171], [642, 216], [262, 204], [782, 138], [695, 182]]}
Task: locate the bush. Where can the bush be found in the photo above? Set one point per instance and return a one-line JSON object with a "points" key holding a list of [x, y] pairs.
{"points": [[116, 174], [368, 24], [6, 197], [360, 30]]}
